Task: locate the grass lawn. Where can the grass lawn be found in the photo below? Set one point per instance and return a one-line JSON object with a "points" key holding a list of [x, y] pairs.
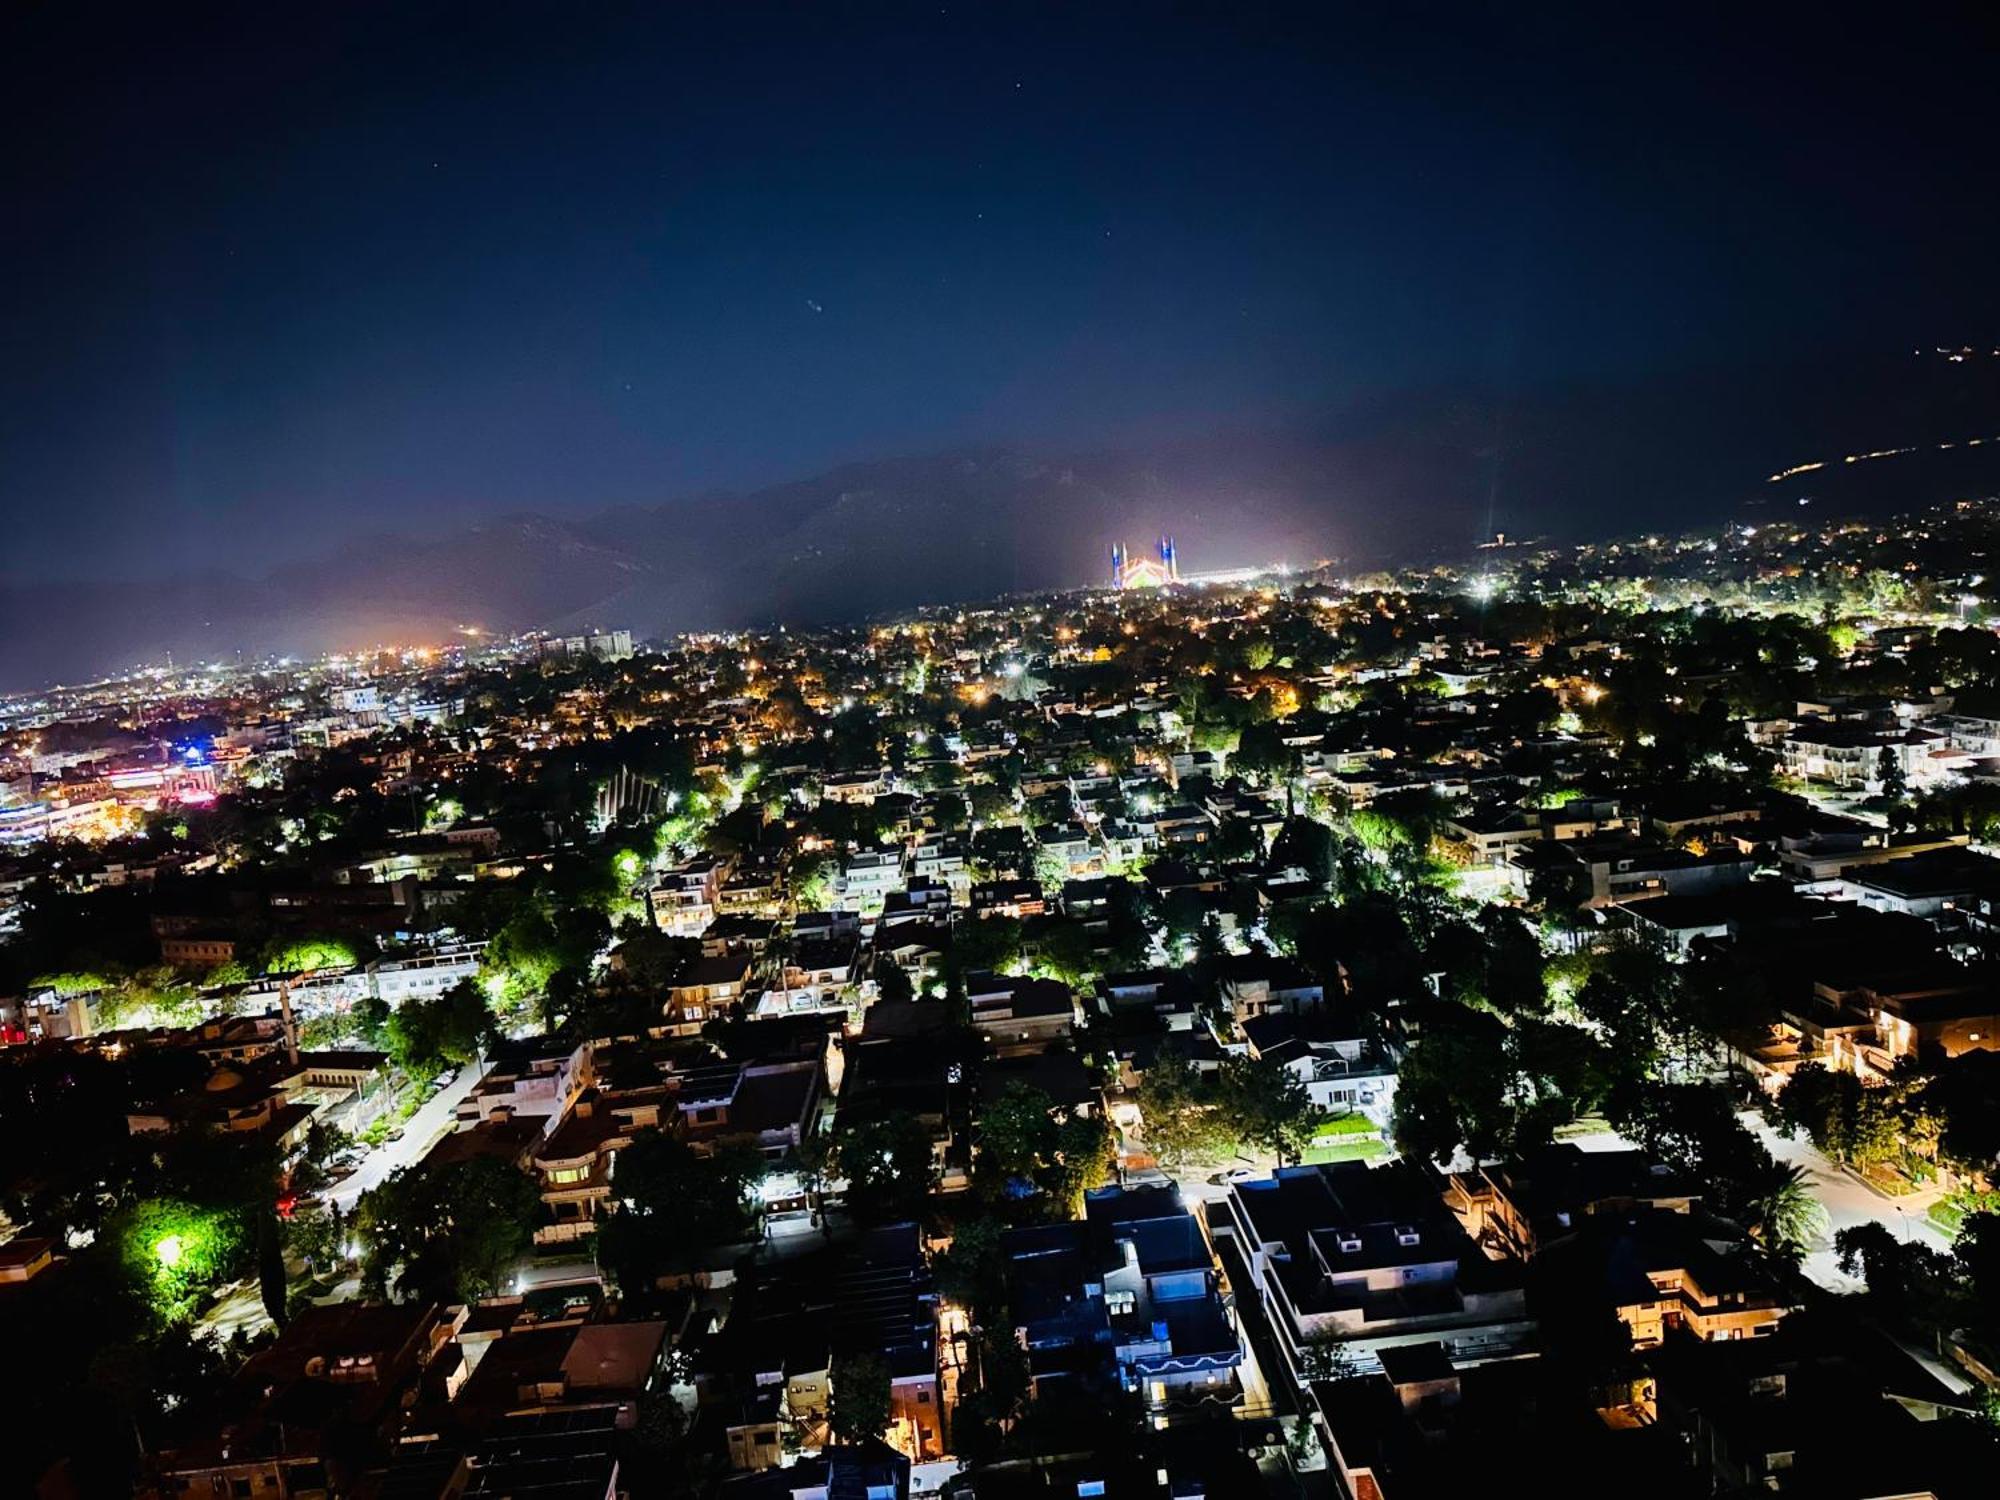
{"points": [[1949, 1212], [1888, 1180], [1320, 1151]]}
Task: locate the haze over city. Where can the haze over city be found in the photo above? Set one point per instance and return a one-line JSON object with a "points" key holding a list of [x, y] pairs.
{"points": [[284, 284]]}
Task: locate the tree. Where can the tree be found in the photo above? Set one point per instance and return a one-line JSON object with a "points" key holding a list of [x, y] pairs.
{"points": [[307, 955], [1889, 771], [1309, 844], [1262, 754], [1085, 1149], [809, 881], [972, 1270], [1327, 1360], [648, 957], [1784, 1216], [312, 1167], [1632, 996], [951, 811], [1693, 1128], [1818, 1102], [1851, 1121], [887, 1164], [1066, 950], [371, 1020], [1181, 1122], [991, 943], [271, 1284], [1976, 1255], [988, 802], [1017, 1136], [860, 1407], [1027, 1147], [1268, 1106], [1964, 1097], [449, 1233], [1236, 841], [176, 1251], [891, 983], [676, 1204], [1910, 1286], [523, 954], [1449, 1093], [425, 1036]]}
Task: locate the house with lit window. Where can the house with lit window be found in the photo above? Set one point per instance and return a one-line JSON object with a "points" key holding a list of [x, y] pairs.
{"points": [[1135, 1284], [528, 1077], [710, 986], [1664, 1274], [792, 1321], [684, 902]]}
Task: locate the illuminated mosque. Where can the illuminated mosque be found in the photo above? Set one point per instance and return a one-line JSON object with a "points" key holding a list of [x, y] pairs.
{"points": [[1145, 573]]}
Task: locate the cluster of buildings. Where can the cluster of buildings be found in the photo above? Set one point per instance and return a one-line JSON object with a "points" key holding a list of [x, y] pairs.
{"points": [[887, 877]]}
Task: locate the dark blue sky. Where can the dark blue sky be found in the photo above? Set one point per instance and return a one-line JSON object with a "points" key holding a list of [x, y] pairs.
{"points": [[300, 272]]}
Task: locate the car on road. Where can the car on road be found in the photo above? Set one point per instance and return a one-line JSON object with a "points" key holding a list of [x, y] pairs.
{"points": [[1233, 1176]]}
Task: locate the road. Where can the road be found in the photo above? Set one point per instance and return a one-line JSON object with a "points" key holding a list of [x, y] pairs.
{"points": [[241, 1310], [433, 1120], [1848, 1201]]}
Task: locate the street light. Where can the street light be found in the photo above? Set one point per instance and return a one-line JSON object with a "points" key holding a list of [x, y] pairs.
{"points": [[169, 1250]]}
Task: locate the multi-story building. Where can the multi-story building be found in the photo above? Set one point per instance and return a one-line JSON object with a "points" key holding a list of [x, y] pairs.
{"points": [[1366, 1259]]}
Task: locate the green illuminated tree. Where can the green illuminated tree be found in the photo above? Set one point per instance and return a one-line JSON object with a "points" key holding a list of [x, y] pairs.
{"points": [[306, 955], [176, 1252], [426, 1036]]}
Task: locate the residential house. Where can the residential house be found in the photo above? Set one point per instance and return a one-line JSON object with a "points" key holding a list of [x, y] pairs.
{"points": [[1258, 984], [791, 1322], [1515, 1208], [305, 1416], [528, 1077], [1663, 1272], [710, 986], [1008, 898], [1017, 1014], [1342, 1073], [1130, 1295], [1367, 1258]]}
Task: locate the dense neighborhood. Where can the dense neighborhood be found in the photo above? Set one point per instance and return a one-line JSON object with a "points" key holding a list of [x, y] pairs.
{"points": [[1284, 1034]]}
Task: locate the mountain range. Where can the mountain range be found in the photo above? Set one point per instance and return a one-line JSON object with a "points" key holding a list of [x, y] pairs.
{"points": [[1396, 478]]}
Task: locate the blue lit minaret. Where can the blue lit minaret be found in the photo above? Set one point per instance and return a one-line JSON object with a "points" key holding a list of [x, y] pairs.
{"points": [[1118, 565], [1169, 563]]}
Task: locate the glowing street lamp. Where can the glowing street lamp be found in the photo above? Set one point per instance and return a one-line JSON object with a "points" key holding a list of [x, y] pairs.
{"points": [[168, 1251]]}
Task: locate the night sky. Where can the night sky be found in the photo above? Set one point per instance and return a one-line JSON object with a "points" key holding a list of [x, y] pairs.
{"points": [[314, 270]]}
